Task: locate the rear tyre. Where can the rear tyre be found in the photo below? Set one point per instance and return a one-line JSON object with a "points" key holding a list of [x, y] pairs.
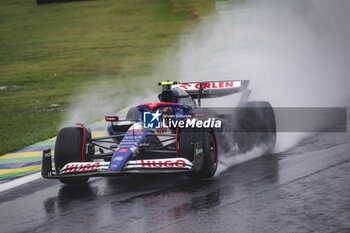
{"points": [[133, 114], [256, 126], [68, 149], [187, 138]]}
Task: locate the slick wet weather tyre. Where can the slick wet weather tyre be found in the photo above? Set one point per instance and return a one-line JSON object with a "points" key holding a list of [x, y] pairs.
{"points": [[68, 148]]}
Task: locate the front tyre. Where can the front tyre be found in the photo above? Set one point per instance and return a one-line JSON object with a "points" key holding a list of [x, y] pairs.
{"points": [[188, 137], [69, 148], [210, 159]]}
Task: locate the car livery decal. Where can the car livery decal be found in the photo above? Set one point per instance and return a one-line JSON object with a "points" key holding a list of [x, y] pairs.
{"points": [[84, 167], [171, 163], [209, 85], [131, 141]]}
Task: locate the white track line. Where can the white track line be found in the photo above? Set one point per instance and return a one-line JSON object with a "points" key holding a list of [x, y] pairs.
{"points": [[19, 181]]}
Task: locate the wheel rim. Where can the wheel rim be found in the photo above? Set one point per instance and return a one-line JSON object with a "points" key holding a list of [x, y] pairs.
{"points": [[212, 151]]}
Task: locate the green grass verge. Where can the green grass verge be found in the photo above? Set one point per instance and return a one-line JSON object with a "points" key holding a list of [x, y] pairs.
{"points": [[51, 53], [21, 160], [17, 174]]}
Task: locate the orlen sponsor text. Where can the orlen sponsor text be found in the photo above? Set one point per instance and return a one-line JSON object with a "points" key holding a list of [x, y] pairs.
{"points": [[209, 85]]}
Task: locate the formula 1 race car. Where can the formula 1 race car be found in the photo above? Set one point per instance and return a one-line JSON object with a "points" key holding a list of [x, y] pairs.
{"points": [[176, 135]]}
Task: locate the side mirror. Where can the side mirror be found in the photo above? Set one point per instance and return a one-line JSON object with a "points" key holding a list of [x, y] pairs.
{"points": [[111, 118]]}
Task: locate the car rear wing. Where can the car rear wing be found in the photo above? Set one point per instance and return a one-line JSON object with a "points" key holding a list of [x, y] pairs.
{"points": [[210, 89]]}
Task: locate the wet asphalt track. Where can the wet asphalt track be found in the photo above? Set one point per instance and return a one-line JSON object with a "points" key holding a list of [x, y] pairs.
{"points": [[306, 189]]}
